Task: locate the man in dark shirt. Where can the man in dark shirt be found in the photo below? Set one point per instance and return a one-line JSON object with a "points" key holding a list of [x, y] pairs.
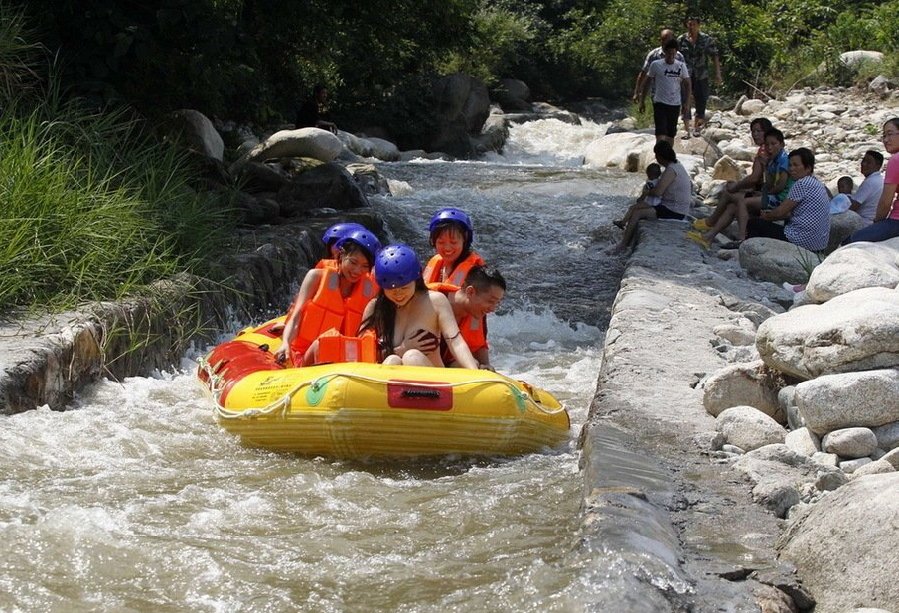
{"points": [[697, 47], [313, 109]]}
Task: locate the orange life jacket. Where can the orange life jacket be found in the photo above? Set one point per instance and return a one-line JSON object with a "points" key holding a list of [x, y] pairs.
{"points": [[474, 331], [328, 309], [336, 347], [435, 268], [327, 263]]}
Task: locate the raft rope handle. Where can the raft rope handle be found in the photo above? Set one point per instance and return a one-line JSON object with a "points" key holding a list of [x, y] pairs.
{"points": [[216, 383], [283, 403]]}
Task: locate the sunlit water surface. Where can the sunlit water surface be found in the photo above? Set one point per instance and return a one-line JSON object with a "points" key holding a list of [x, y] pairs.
{"points": [[136, 500]]}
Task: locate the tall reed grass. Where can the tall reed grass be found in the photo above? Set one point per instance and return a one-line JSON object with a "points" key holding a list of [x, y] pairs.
{"points": [[91, 206]]}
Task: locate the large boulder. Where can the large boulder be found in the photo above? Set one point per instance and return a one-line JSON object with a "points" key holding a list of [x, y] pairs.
{"points": [[850, 442], [699, 147], [842, 225], [325, 186], [782, 478], [854, 60], [869, 398], [197, 132], [312, 143], [769, 259], [494, 134], [853, 267], [463, 105], [513, 95], [625, 150], [854, 331], [748, 428], [845, 545], [741, 384]]}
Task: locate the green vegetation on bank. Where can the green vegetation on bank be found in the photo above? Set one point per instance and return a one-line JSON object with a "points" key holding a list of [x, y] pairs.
{"points": [[255, 60], [93, 208]]}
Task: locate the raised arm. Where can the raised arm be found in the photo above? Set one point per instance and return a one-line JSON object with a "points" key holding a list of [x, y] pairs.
{"points": [[294, 317], [886, 201], [449, 329]]}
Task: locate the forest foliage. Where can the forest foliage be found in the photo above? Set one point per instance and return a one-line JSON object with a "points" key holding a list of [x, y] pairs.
{"points": [[257, 59]]}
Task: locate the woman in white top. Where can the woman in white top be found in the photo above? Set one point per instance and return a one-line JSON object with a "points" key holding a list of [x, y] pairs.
{"points": [[674, 188]]}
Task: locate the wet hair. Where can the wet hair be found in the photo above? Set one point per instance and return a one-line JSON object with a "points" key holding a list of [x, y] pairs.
{"points": [[383, 318], [483, 278], [671, 44], [805, 155], [877, 156], [665, 151], [653, 168], [350, 247], [776, 134], [844, 181], [450, 224], [762, 121]]}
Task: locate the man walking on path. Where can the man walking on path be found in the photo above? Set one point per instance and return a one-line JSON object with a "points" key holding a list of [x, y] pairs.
{"points": [[697, 47], [669, 79], [654, 54]]}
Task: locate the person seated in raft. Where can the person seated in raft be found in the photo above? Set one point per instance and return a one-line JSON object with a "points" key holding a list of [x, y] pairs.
{"points": [[451, 235], [480, 294], [841, 202], [408, 319], [746, 187], [806, 209], [653, 173], [675, 189], [331, 298], [774, 190], [330, 238]]}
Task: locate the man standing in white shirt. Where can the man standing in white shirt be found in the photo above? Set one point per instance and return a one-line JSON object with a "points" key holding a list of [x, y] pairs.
{"points": [[669, 78], [865, 200], [654, 54]]}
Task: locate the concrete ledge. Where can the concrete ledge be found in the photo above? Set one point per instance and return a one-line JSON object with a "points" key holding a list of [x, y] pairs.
{"points": [[702, 525]]}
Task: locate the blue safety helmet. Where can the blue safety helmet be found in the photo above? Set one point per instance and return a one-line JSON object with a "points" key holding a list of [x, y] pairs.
{"points": [[365, 239], [449, 217], [451, 214], [396, 265], [338, 230]]}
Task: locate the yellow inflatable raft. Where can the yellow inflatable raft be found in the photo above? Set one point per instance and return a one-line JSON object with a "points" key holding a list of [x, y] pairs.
{"points": [[356, 410]]}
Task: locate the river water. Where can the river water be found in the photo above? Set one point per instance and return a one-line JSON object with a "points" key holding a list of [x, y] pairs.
{"points": [[135, 500]]}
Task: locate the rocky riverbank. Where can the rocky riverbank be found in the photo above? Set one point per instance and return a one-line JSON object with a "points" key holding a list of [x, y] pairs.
{"points": [[746, 394]]}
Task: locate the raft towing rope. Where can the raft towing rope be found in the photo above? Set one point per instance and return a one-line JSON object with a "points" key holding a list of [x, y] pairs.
{"points": [[282, 404]]}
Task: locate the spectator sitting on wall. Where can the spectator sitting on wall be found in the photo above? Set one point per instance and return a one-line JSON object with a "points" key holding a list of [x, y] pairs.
{"points": [[313, 111]]}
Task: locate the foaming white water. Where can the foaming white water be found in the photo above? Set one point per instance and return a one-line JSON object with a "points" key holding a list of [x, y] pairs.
{"points": [[400, 188], [549, 142]]}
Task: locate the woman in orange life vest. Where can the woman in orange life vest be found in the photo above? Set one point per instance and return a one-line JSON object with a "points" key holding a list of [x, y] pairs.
{"points": [[331, 298], [480, 294], [330, 238], [407, 318], [451, 236]]}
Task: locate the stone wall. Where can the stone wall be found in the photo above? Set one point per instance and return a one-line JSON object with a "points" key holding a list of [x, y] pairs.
{"points": [[44, 361]]}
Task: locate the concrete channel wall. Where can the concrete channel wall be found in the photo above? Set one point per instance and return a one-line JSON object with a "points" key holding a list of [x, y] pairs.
{"points": [[45, 361]]}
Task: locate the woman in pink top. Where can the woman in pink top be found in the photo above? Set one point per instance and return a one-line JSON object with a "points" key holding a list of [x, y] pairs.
{"points": [[886, 219]]}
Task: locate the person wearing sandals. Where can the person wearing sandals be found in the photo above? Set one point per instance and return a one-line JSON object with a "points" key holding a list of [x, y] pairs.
{"points": [[675, 189], [805, 211], [774, 189], [746, 187], [668, 78], [697, 47]]}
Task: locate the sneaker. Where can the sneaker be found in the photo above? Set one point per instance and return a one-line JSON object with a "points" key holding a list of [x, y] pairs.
{"points": [[701, 224], [697, 238]]}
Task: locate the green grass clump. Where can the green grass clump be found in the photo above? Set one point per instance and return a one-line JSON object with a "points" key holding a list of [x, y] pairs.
{"points": [[92, 208]]}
